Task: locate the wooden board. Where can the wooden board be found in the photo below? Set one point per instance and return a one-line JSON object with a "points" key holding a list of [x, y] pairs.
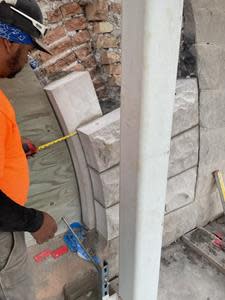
{"points": [[201, 241], [53, 181]]}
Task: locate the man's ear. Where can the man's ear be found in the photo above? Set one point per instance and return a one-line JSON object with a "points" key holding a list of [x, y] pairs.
{"points": [[10, 47]]}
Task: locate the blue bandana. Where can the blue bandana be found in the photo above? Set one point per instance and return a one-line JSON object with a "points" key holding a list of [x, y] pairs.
{"points": [[14, 34]]}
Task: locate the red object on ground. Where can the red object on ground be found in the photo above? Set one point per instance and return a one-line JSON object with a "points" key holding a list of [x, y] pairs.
{"points": [[42, 255], [59, 252], [219, 235]]}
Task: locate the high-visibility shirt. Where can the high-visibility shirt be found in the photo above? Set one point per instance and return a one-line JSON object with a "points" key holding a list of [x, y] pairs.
{"points": [[14, 172]]}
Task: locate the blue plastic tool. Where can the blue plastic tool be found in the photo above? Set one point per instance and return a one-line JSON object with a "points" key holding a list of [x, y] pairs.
{"points": [[74, 245]]}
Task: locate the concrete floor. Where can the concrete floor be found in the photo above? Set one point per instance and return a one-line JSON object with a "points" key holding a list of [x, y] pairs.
{"points": [[186, 276]]}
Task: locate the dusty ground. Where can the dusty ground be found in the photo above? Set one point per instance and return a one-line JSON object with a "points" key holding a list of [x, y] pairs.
{"points": [[186, 276]]}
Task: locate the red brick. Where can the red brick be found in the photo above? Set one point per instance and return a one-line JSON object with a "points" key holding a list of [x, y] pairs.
{"points": [[90, 62], [60, 48], [97, 11], [70, 9], [82, 53], [76, 68], [60, 64], [110, 57], [116, 8], [106, 41], [102, 94], [54, 35], [115, 80], [76, 24], [54, 16], [98, 83], [113, 69], [81, 38]]}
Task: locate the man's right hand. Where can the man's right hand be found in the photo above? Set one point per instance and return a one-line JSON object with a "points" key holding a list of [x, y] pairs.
{"points": [[47, 230]]}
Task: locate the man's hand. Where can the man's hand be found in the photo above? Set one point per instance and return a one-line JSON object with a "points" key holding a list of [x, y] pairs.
{"points": [[47, 230]]}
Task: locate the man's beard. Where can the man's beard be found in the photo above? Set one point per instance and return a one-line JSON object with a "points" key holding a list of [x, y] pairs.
{"points": [[13, 64]]}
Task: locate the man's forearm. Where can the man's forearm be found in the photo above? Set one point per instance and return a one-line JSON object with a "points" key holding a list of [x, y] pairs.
{"points": [[14, 217]]}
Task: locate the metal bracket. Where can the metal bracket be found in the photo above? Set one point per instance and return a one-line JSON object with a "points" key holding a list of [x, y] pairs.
{"points": [[103, 271]]}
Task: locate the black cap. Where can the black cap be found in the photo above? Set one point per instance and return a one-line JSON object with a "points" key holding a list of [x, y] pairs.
{"points": [[27, 16]]}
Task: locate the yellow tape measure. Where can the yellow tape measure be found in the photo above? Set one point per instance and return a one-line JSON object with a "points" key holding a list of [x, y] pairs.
{"points": [[42, 147]]}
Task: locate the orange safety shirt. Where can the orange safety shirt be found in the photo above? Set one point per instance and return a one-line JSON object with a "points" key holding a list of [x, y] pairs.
{"points": [[14, 172]]}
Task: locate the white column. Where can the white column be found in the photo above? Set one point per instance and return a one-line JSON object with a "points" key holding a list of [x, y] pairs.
{"points": [[150, 48]]}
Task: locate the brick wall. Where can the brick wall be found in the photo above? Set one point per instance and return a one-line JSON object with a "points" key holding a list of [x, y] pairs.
{"points": [[83, 35]]}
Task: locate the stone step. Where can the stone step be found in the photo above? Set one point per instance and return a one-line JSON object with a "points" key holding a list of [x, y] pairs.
{"points": [[201, 241]]}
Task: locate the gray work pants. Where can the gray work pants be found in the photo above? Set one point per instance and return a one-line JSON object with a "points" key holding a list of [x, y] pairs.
{"points": [[15, 277]]}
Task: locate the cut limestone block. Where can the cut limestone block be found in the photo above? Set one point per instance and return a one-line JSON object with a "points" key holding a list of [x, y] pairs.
{"points": [[179, 222], [107, 220], [184, 152], [212, 34], [75, 102], [106, 186], [209, 208], [212, 108], [210, 69], [185, 114], [181, 190], [101, 141], [73, 97], [212, 154]]}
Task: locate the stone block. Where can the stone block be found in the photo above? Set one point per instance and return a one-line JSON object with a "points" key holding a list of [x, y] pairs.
{"points": [[181, 190], [179, 222], [103, 27], [101, 141], [75, 102], [107, 41], [211, 158], [110, 57], [184, 152], [209, 207], [185, 113], [106, 186], [210, 69], [74, 98], [212, 108], [210, 4], [107, 221], [97, 11], [210, 26]]}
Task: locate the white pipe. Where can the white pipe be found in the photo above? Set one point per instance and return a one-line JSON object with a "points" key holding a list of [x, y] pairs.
{"points": [[150, 47]]}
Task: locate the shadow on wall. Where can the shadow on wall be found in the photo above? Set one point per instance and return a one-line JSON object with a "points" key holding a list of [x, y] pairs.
{"points": [[187, 61]]}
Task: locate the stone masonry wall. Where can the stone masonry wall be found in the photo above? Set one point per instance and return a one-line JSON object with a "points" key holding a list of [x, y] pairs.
{"points": [[83, 35]]}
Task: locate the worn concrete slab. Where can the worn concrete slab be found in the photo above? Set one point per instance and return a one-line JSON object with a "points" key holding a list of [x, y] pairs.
{"points": [[185, 114], [184, 152]]}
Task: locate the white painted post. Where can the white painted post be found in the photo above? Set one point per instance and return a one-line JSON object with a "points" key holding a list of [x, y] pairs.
{"points": [[150, 47]]}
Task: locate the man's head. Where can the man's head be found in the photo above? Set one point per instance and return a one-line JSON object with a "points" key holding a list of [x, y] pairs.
{"points": [[21, 26]]}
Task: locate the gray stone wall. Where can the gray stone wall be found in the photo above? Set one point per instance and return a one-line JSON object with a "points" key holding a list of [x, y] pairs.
{"points": [[100, 140]]}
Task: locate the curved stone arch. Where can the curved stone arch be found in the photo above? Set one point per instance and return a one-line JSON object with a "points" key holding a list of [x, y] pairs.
{"points": [[75, 103]]}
